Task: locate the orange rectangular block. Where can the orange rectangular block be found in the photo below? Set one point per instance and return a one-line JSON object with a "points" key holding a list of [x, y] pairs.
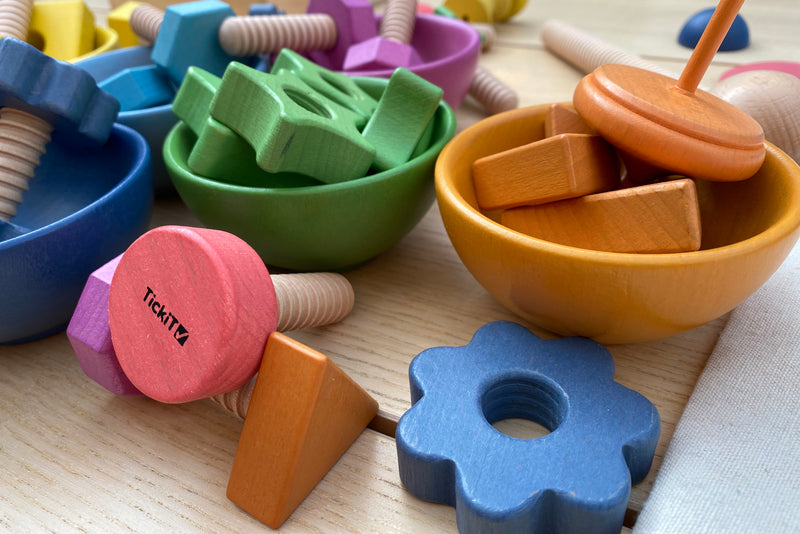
{"points": [[303, 415], [562, 118], [655, 218], [554, 168]]}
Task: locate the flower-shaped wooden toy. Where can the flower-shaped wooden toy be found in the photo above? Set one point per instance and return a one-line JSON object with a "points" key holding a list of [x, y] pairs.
{"points": [[575, 479], [40, 96]]}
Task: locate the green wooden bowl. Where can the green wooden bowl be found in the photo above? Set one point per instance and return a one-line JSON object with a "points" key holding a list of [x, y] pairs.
{"points": [[318, 227]]}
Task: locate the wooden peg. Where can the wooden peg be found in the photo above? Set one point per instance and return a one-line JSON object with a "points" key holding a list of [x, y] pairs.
{"points": [[404, 111], [64, 28], [15, 18], [554, 168], [654, 218], [672, 124], [190, 310], [303, 415], [562, 118]]}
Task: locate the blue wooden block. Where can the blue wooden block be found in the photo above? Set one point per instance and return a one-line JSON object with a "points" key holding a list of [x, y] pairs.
{"points": [[9, 230], [576, 479], [139, 87], [738, 35], [189, 35], [265, 9], [62, 94]]}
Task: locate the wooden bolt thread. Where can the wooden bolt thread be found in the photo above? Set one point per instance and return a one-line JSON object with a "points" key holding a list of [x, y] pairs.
{"points": [[145, 21], [487, 33], [398, 20], [586, 52], [23, 138], [15, 17], [491, 93], [246, 36], [238, 400], [310, 299], [709, 43]]}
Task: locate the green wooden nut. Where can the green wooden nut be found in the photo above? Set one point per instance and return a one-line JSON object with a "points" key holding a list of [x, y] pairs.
{"points": [[291, 127], [401, 118], [220, 153], [335, 85]]}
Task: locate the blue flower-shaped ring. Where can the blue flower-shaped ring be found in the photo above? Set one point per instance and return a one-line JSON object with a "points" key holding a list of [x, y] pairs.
{"points": [[575, 479]]}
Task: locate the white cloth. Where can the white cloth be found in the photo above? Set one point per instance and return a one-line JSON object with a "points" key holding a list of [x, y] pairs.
{"points": [[733, 464]]}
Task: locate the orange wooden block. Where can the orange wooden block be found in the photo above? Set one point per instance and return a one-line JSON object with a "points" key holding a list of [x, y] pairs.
{"points": [[562, 118], [554, 168], [654, 218], [303, 415]]}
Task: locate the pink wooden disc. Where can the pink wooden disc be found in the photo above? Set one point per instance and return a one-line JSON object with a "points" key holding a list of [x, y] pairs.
{"points": [[190, 310], [789, 67]]}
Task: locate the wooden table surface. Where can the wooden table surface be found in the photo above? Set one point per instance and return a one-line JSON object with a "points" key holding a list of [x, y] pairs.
{"points": [[74, 458]]}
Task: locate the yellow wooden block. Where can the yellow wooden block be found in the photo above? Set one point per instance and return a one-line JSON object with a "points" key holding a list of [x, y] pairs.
{"points": [[655, 218], [62, 29], [119, 20], [554, 168]]}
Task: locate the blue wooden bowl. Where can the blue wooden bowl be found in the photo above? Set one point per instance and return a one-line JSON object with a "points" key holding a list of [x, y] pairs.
{"points": [[83, 208]]}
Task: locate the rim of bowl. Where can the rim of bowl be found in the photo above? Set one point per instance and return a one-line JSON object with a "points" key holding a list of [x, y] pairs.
{"points": [[449, 124], [135, 170], [446, 191]]}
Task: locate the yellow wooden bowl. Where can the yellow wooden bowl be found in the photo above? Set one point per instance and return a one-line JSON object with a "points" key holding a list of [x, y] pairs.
{"points": [[749, 227]]}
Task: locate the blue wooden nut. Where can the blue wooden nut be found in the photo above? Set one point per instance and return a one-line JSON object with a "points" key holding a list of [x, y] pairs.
{"points": [[286, 121], [189, 36], [139, 87], [738, 35], [336, 86], [576, 479], [64, 95]]}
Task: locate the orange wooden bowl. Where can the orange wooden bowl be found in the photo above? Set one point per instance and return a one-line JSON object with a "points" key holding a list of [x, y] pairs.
{"points": [[748, 227]]}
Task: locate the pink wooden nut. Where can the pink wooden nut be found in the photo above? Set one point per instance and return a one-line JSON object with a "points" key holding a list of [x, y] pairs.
{"points": [[554, 168], [655, 218], [190, 310], [90, 337]]}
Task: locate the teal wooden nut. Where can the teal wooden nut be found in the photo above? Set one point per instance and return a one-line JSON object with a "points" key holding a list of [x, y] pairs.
{"points": [[189, 36], [398, 125], [576, 479], [139, 87], [336, 86], [291, 127]]}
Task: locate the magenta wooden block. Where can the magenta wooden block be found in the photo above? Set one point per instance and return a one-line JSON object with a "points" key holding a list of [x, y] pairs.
{"points": [[90, 336], [380, 53]]}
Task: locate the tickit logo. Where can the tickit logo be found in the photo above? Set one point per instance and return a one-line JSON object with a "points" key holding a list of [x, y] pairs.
{"points": [[180, 333]]}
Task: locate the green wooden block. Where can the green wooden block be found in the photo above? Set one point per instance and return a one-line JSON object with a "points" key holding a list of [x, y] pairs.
{"points": [[193, 99], [401, 118], [291, 127], [336, 86]]}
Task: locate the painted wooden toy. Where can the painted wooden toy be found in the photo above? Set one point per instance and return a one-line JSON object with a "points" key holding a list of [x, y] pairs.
{"points": [[139, 87], [789, 67], [39, 96], [62, 29], [490, 11], [562, 119], [555, 168], [303, 415], [402, 117], [119, 19], [15, 18], [672, 124], [737, 36], [329, 27], [190, 310], [655, 218], [392, 47], [602, 435]]}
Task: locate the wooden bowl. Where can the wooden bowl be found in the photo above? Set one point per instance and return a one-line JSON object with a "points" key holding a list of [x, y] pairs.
{"points": [[316, 227], [83, 208], [748, 227]]}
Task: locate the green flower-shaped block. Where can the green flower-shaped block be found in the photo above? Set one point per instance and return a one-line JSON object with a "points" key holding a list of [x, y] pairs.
{"points": [[575, 479]]}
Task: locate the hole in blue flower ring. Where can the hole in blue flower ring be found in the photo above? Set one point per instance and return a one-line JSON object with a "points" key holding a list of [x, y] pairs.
{"points": [[524, 406], [308, 103]]}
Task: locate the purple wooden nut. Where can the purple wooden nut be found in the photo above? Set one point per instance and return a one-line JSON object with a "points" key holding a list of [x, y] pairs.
{"points": [[355, 22], [380, 53], [90, 335]]}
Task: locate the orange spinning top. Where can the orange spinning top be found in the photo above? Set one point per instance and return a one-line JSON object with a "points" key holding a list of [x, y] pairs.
{"points": [[672, 124]]}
